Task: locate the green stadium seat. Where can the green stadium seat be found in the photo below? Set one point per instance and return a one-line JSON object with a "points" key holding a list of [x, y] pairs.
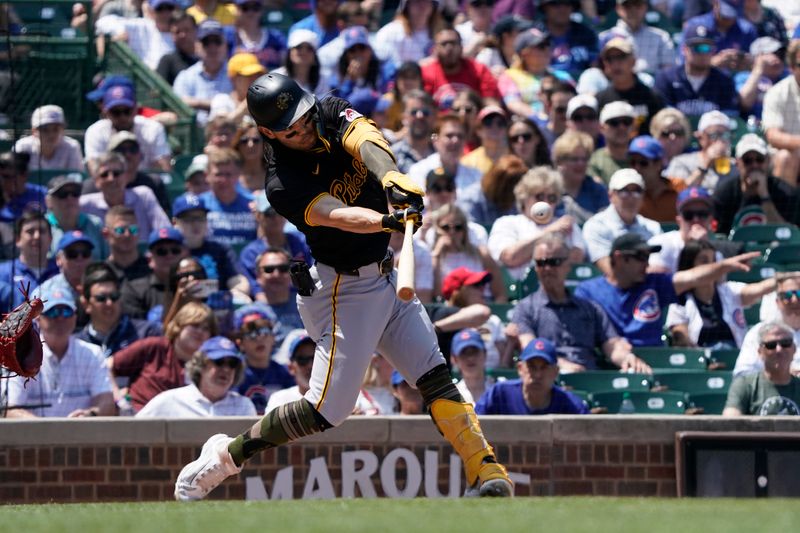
{"points": [[581, 272], [42, 176], [645, 402], [604, 380], [752, 315], [694, 382], [758, 272], [767, 234], [669, 226], [519, 289], [672, 357], [724, 359], [504, 311], [784, 254], [712, 402]]}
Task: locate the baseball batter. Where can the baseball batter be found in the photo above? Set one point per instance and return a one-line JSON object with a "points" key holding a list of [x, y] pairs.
{"points": [[331, 173]]}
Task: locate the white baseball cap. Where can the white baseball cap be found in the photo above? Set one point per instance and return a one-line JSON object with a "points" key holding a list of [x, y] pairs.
{"points": [[713, 118], [47, 114], [751, 142], [579, 101], [624, 177], [616, 109], [298, 37]]}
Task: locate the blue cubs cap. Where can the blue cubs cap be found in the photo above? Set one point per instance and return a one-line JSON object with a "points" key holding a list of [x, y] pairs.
{"points": [[541, 348], [109, 81], [55, 294], [250, 312], [119, 95], [646, 146], [297, 341], [466, 338], [220, 347], [208, 28], [693, 194], [164, 234], [71, 237], [364, 100], [187, 202], [355, 35], [397, 379], [697, 32]]}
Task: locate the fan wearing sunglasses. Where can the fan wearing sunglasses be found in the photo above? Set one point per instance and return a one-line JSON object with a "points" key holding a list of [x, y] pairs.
{"points": [[756, 186], [64, 214], [787, 299], [213, 371], [73, 255], [272, 275], [711, 315], [452, 249], [773, 390], [253, 328], [108, 327], [164, 249], [73, 382]]}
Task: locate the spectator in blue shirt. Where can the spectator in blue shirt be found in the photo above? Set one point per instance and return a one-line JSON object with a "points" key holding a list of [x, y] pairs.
{"points": [[230, 220], [633, 299], [534, 393], [253, 327], [733, 34], [321, 21], [697, 87], [33, 237], [277, 291], [17, 193], [574, 46]]}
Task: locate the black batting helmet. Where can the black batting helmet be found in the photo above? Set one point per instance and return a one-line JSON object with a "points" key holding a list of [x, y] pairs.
{"points": [[276, 101]]}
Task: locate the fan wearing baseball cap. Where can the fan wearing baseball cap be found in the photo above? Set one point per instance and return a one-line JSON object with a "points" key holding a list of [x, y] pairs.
{"points": [[618, 126], [634, 299], [696, 86], [768, 69], [754, 187], [47, 145], [646, 155], [534, 392], [733, 33], [711, 164], [654, 47]]}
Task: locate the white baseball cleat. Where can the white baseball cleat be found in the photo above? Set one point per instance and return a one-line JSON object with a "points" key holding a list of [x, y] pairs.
{"points": [[204, 474]]}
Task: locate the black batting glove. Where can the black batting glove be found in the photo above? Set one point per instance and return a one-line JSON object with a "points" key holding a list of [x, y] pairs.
{"points": [[396, 220]]}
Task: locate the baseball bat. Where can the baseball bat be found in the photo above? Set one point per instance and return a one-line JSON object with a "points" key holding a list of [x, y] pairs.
{"points": [[405, 269]]}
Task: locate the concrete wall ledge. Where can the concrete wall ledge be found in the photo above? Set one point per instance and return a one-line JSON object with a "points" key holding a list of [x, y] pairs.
{"points": [[388, 430]]}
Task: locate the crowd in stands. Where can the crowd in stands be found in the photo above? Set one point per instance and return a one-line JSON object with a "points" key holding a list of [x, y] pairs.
{"points": [[627, 138]]}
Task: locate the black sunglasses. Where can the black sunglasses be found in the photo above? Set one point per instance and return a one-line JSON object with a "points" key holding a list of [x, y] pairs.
{"points": [[452, 227], [121, 111], [75, 254], [787, 295], [688, 216], [641, 163], [103, 298], [623, 121], [784, 343], [131, 149], [672, 134], [584, 117], [231, 362], [749, 160], [114, 173], [544, 197], [303, 361], [282, 268], [63, 194], [256, 333], [167, 250], [550, 262], [642, 257], [196, 274], [249, 140], [447, 187], [520, 137]]}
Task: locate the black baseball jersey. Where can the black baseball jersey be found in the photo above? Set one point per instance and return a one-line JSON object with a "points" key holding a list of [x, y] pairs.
{"points": [[297, 179]]}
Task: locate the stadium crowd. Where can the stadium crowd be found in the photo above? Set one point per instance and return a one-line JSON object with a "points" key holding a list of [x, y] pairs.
{"points": [[546, 148]]}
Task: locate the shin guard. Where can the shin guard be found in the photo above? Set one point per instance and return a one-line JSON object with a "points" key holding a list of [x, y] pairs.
{"points": [[283, 424]]}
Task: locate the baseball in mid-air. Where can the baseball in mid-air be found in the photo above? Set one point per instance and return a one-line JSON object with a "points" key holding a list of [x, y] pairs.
{"points": [[541, 212]]}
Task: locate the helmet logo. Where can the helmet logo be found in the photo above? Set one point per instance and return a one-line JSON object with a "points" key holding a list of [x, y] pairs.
{"points": [[283, 101]]}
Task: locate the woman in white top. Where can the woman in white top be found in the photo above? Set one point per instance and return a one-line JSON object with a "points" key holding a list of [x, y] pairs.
{"points": [[513, 237], [213, 370], [409, 37], [712, 315], [452, 249], [302, 63]]}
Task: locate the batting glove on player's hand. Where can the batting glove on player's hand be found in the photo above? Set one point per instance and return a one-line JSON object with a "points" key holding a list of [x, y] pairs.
{"points": [[396, 220], [402, 191]]}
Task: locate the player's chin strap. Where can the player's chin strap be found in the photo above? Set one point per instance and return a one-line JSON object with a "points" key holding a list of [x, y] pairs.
{"points": [[285, 423], [458, 423]]}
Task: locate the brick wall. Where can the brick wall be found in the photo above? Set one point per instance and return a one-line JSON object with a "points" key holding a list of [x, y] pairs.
{"points": [[118, 459]]}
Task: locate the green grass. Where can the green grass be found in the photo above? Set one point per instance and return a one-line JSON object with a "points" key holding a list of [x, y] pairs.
{"points": [[540, 515]]}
